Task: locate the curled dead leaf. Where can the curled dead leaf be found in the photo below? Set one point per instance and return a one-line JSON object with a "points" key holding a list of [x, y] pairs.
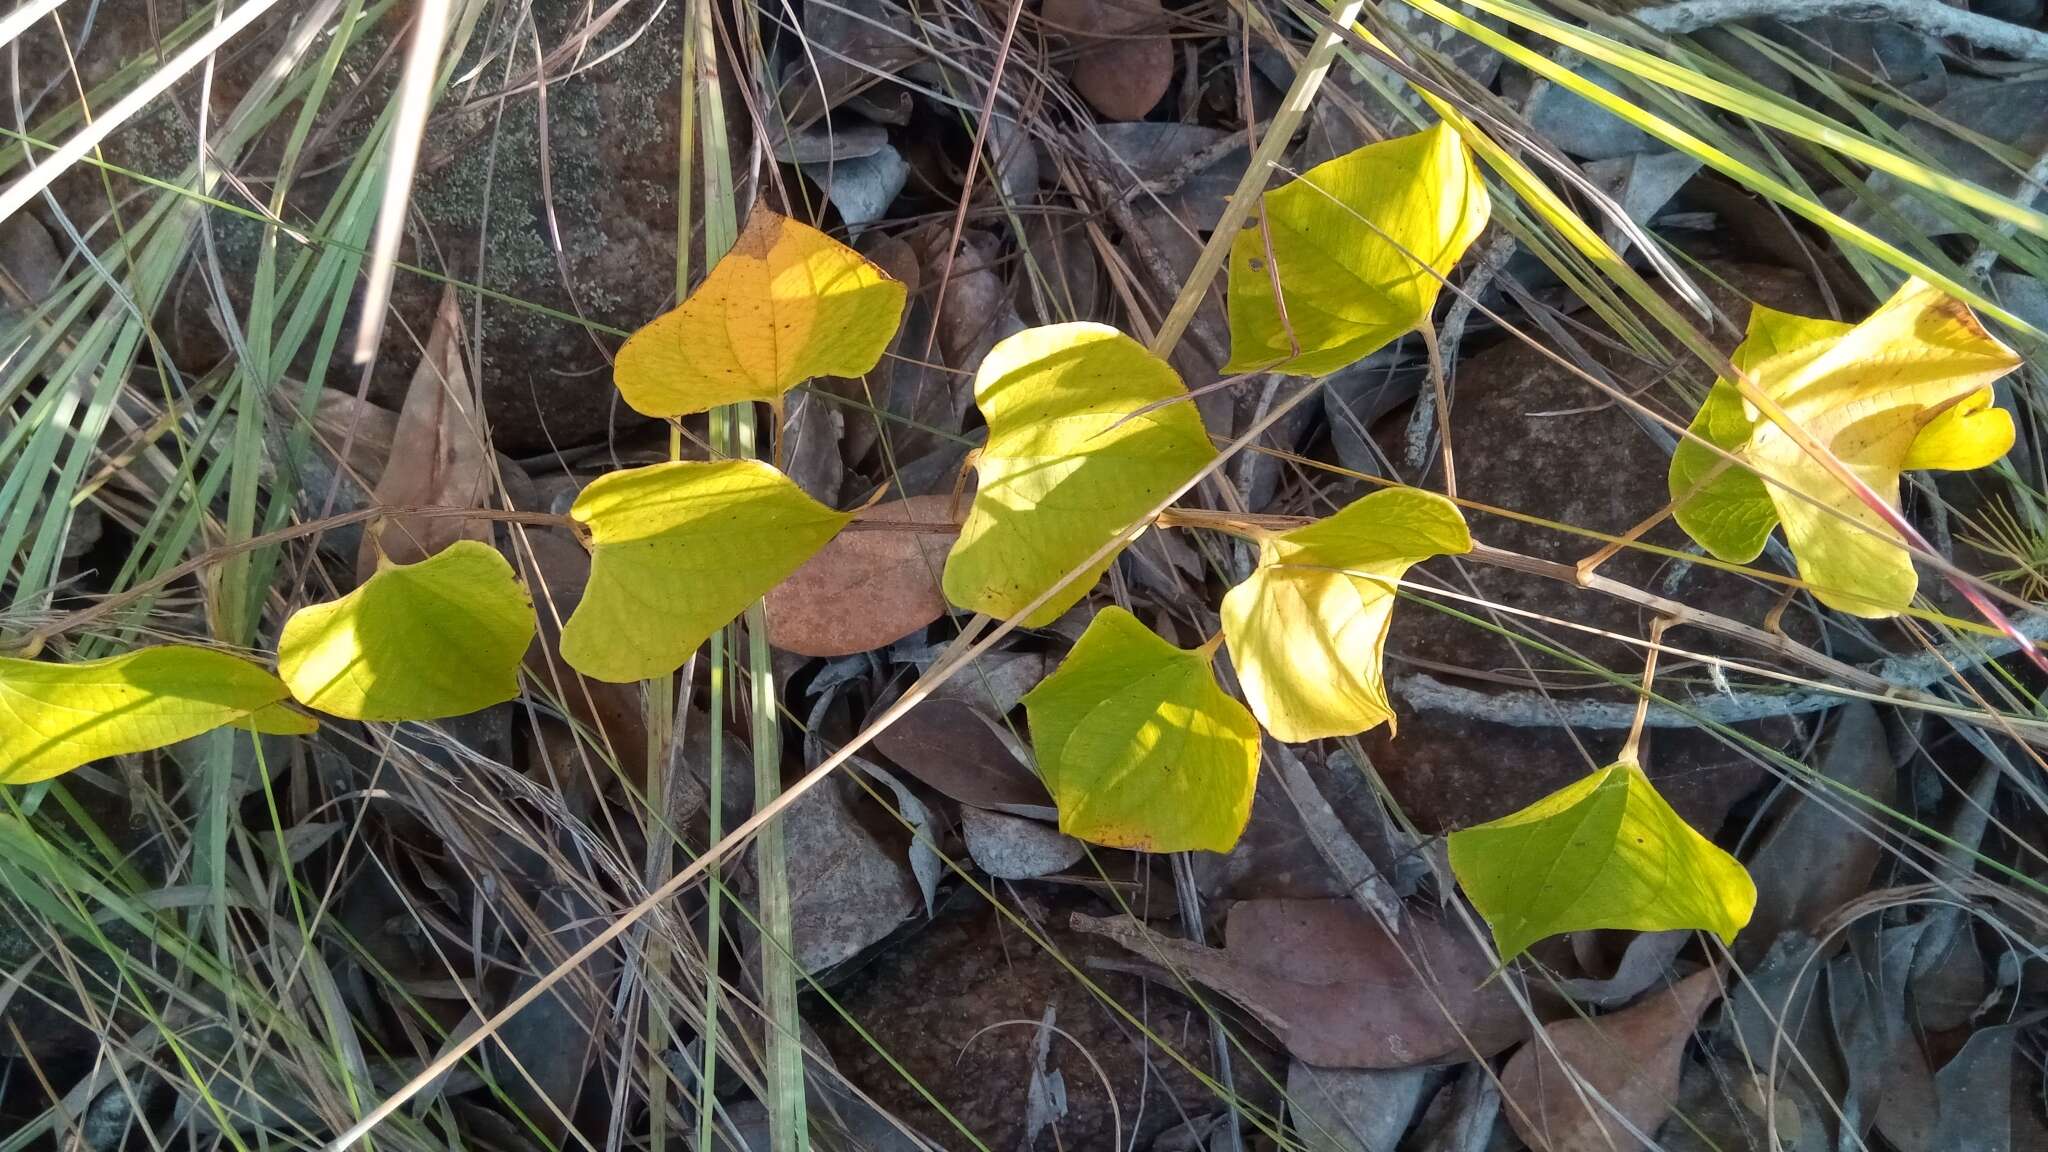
{"points": [[438, 455]]}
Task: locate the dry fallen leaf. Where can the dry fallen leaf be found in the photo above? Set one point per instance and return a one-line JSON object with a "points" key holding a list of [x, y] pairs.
{"points": [[870, 586], [1630, 1059], [1124, 60], [438, 456], [1014, 848], [364, 431], [1337, 990], [953, 748], [1814, 859]]}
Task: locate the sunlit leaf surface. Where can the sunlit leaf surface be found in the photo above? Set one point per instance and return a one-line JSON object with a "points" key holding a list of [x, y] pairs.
{"points": [[1308, 630], [1603, 852], [1084, 437], [423, 641], [1139, 746], [786, 304], [677, 551], [55, 717], [1909, 387], [1359, 246]]}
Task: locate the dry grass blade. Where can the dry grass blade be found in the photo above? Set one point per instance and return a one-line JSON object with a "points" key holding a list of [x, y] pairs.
{"points": [[415, 101], [83, 142]]}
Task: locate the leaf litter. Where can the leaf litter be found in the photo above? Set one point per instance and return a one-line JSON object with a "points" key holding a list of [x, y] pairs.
{"points": [[1917, 1020]]}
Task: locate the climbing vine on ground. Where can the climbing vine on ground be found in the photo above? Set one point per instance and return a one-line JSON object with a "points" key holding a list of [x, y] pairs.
{"points": [[1136, 738]]}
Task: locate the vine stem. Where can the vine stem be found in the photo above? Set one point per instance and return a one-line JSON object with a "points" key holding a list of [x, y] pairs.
{"points": [[1250, 526], [32, 642], [1632, 748]]}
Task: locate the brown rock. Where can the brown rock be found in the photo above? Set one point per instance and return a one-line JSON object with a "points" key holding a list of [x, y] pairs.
{"points": [[1533, 438], [945, 1005]]}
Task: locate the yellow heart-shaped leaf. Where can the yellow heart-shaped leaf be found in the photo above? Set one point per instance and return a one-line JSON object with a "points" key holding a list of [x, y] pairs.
{"points": [[55, 717], [1603, 852], [1139, 746], [1909, 387], [785, 304], [677, 551], [1308, 631], [1358, 246], [423, 641], [1087, 431]]}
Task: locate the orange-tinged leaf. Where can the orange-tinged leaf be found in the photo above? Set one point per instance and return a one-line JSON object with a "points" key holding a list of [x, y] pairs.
{"points": [[1908, 388], [786, 304]]}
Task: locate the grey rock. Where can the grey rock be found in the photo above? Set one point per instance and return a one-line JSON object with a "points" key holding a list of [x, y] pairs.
{"points": [[1014, 848], [1576, 125], [1354, 1110]]}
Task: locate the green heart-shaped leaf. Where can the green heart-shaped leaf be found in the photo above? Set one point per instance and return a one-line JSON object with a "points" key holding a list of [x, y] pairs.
{"points": [[1139, 747], [1908, 388], [785, 304], [1348, 243], [423, 641], [1079, 445], [1603, 852], [1308, 630], [55, 717], [677, 551]]}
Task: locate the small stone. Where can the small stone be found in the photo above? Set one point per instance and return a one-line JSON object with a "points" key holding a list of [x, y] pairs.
{"points": [[1124, 60]]}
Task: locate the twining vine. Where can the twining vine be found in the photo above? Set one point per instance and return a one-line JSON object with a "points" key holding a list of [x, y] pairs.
{"points": [[1088, 432]]}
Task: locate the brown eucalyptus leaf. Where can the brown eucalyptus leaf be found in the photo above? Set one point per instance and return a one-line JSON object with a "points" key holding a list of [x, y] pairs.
{"points": [[1337, 990], [812, 427], [1354, 1109], [1975, 1089], [1643, 962], [977, 310], [995, 682], [855, 45], [356, 430], [955, 749], [1630, 1058], [1124, 60], [870, 586], [1888, 1078], [1187, 169], [438, 455]]}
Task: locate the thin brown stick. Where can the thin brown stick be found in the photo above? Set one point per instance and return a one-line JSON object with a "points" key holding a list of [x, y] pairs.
{"points": [[1443, 404], [1606, 551]]}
